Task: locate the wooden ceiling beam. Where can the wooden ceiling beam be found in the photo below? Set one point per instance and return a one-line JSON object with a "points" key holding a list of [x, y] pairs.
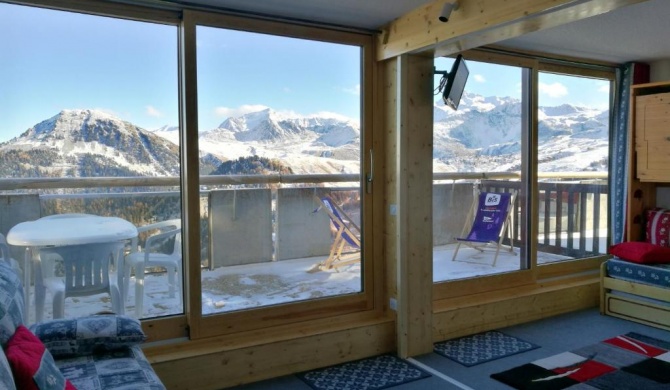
{"points": [[482, 22]]}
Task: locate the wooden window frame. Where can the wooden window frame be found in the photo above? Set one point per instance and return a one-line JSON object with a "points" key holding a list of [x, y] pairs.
{"points": [[352, 307], [536, 274], [270, 316]]}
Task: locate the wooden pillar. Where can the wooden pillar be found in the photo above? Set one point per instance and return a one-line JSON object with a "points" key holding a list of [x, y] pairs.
{"points": [[414, 143]]}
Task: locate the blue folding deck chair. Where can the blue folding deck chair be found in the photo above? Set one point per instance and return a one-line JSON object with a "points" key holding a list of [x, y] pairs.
{"points": [[347, 233], [489, 219]]}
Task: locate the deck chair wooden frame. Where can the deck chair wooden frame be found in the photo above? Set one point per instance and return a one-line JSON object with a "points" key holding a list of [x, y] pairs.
{"points": [[470, 225], [347, 233]]}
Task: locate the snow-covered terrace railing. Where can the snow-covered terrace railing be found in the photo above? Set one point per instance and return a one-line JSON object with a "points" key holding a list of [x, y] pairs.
{"points": [[452, 195], [583, 207], [8, 184], [36, 183], [517, 175], [572, 213]]}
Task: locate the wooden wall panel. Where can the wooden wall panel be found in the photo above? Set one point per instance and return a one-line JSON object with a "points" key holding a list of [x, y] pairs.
{"points": [[224, 362], [244, 364], [466, 316], [414, 159]]}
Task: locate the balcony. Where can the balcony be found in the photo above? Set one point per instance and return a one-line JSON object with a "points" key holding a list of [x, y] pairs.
{"points": [[261, 234]]}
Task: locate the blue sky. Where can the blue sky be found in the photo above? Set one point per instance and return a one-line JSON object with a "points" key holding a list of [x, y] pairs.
{"points": [[59, 60], [240, 72]]}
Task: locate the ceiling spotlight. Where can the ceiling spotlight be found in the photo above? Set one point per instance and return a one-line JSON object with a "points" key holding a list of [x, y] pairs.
{"points": [[446, 11]]}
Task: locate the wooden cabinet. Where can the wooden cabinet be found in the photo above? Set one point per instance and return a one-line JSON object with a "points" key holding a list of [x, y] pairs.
{"points": [[649, 152], [652, 136]]}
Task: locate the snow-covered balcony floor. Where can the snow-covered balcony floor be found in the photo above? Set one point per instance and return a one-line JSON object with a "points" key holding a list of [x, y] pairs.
{"points": [[248, 286]]}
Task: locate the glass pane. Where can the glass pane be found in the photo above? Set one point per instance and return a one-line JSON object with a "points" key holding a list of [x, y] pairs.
{"points": [[84, 102], [482, 137], [573, 158], [285, 114]]}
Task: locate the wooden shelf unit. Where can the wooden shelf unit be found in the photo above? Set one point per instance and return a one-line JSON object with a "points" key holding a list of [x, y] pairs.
{"points": [[649, 169], [649, 152]]}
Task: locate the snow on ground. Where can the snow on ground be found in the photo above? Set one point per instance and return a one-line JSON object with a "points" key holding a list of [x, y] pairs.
{"points": [[242, 287], [248, 286]]}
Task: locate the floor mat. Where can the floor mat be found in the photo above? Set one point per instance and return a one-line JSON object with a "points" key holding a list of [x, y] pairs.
{"points": [[379, 372], [482, 347], [627, 362]]}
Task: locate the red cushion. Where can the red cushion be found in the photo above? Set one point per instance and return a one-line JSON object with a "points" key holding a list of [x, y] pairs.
{"points": [[33, 366], [641, 252], [658, 227]]}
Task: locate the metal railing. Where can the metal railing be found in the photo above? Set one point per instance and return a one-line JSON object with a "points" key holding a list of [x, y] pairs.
{"points": [[572, 213]]}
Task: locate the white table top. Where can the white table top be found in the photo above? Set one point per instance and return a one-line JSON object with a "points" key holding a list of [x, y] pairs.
{"points": [[75, 229]]}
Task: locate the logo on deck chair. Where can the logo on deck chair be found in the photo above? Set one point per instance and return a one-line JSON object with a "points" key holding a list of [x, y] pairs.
{"points": [[492, 200]]}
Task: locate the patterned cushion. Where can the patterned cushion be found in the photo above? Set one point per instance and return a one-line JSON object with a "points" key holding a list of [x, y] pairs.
{"points": [[33, 367], [641, 252], [6, 378], [11, 302], [658, 226], [85, 335], [123, 369]]}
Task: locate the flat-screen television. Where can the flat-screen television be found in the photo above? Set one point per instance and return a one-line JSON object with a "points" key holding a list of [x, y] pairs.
{"points": [[453, 89]]}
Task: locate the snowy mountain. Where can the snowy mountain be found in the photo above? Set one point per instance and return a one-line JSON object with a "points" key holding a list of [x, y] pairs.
{"points": [[483, 135], [306, 144], [171, 133], [88, 143]]}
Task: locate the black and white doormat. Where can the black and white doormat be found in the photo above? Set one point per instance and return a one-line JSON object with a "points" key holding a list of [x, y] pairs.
{"points": [[481, 348], [379, 372]]}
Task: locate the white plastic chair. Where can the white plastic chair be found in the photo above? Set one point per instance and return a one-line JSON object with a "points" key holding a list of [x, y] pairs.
{"points": [[86, 272], [43, 268], [147, 257]]}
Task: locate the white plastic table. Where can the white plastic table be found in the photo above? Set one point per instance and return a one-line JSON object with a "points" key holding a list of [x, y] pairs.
{"points": [[68, 229]]}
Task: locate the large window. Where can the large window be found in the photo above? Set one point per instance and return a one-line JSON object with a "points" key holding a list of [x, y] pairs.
{"points": [[89, 109], [233, 185], [565, 145], [483, 138], [269, 108], [573, 154]]}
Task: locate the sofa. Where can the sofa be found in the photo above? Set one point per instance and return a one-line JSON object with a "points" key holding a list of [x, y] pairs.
{"points": [[85, 353]]}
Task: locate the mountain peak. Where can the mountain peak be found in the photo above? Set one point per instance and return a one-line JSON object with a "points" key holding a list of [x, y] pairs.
{"points": [[85, 142], [267, 114], [166, 129], [252, 119], [86, 114], [563, 109], [77, 121]]}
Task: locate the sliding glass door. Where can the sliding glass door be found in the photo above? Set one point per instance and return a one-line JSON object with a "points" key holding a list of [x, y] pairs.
{"points": [[280, 137], [90, 114], [480, 150]]}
